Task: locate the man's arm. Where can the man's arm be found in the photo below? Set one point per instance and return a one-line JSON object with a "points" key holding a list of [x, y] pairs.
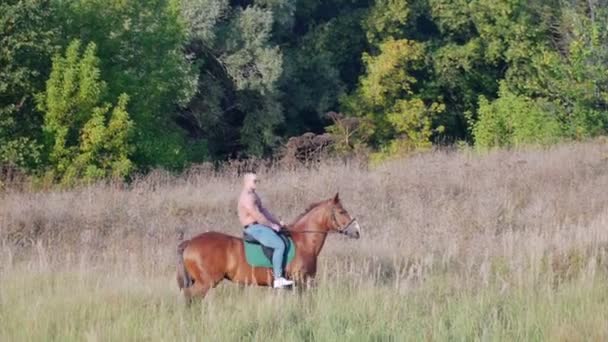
{"points": [[269, 216], [276, 224]]}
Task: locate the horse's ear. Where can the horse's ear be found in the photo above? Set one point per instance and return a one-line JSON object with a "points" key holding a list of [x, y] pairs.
{"points": [[337, 198]]}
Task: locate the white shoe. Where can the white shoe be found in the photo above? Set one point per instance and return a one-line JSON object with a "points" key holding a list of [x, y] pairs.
{"points": [[282, 282]]}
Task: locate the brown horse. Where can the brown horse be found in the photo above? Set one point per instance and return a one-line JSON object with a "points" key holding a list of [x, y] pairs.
{"points": [[208, 258]]}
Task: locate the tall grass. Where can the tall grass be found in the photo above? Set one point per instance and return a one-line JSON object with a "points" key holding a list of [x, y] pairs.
{"points": [[511, 245]]}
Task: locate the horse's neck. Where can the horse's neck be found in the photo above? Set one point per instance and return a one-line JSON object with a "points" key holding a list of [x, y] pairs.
{"points": [[310, 233]]}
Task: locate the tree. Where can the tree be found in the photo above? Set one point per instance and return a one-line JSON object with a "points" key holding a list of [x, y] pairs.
{"points": [[555, 85], [140, 48], [237, 105], [513, 120], [321, 61], [86, 138], [26, 47], [269, 68], [571, 75], [388, 97]]}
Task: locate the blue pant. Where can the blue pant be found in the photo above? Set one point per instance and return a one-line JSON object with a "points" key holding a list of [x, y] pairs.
{"points": [[269, 238]]}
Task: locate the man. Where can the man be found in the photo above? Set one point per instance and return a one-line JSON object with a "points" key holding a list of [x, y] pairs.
{"points": [[262, 226]]}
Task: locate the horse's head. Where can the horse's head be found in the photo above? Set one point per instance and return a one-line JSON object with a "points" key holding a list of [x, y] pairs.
{"points": [[340, 220]]}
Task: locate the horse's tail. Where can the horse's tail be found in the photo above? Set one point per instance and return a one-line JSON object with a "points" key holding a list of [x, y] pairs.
{"points": [[183, 278]]}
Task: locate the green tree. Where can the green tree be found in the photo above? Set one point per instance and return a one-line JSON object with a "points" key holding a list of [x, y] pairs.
{"points": [[556, 80], [322, 61], [86, 138], [140, 47], [237, 105], [396, 93], [479, 43], [513, 120], [269, 68], [26, 47], [573, 76], [388, 97]]}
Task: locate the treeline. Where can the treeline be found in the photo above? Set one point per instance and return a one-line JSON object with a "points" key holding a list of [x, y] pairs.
{"points": [[101, 88]]}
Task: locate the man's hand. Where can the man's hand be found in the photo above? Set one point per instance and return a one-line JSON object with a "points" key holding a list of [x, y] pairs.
{"points": [[276, 227]]}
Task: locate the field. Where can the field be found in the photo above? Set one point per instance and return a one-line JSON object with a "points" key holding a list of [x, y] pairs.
{"points": [[456, 245]]}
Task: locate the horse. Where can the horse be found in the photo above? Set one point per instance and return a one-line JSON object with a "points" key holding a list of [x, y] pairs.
{"points": [[207, 259]]}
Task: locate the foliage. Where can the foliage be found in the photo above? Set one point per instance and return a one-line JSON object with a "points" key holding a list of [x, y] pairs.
{"points": [[574, 80], [387, 97], [140, 47], [513, 120], [218, 79], [26, 42], [87, 138], [560, 90], [240, 67], [320, 67]]}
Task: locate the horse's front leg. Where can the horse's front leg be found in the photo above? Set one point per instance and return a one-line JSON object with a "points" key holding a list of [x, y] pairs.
{"points": [[303, 274], [304, 281]]}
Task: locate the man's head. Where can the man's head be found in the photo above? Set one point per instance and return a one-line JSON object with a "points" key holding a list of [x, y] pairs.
{"points": [[251, 180]]}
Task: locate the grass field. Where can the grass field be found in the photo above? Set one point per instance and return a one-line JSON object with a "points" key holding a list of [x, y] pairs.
{"points": [[509, 245]]}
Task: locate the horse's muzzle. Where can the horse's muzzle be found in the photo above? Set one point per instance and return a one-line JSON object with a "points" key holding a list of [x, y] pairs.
{"points": [[353, 230]]}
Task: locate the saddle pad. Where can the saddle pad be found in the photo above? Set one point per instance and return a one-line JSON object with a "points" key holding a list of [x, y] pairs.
{"points": [[256, 257]]}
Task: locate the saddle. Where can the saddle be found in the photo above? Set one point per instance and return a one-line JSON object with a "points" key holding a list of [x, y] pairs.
{"points": [[258, 255]]}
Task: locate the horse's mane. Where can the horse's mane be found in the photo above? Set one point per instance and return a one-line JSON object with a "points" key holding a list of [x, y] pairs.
{"points": [[308, 210]]}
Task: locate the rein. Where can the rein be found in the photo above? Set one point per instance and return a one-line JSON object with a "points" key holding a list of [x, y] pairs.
{"points": [[339, 231]]}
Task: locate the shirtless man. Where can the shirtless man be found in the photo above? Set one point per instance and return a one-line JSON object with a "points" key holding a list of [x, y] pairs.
{"points": [[262, 226]]}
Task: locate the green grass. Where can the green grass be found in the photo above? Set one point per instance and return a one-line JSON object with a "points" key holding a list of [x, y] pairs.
{"points": [[80, 305]]}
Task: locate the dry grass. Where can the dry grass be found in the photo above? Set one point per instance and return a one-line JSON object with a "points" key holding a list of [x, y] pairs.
{"points": [[456, 245]]}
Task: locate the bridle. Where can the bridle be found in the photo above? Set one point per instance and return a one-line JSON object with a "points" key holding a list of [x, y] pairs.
{"points": [[342, 230]]}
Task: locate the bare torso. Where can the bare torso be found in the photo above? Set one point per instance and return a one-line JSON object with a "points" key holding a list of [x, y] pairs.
{"points": [[247, 200], [250, 210]]}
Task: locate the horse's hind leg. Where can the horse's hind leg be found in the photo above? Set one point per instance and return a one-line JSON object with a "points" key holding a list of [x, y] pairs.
{"points": [[203, 282], [197, 290]]}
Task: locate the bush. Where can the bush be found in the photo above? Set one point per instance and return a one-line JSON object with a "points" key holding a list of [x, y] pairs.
{"points": [[86, 138], [513, 120]]}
